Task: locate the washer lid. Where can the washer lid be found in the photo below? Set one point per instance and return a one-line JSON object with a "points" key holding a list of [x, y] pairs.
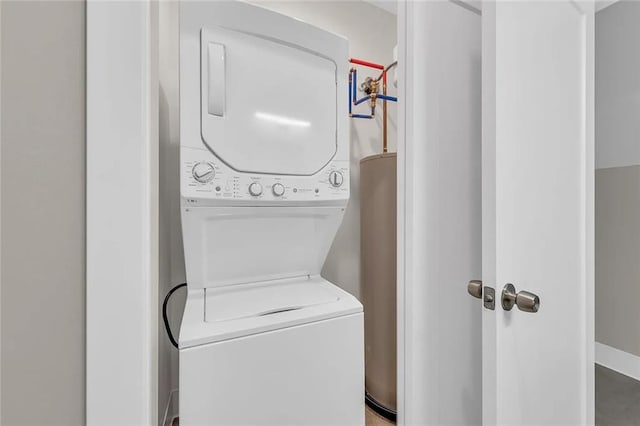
{"points": [[259, 300], [219, 314]]}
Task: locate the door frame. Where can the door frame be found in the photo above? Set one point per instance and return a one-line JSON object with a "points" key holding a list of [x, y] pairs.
{"points": [[122, 213], [404, 187], [412, 128]]}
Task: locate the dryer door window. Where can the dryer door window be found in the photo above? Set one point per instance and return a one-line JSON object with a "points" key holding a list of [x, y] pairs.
{"points": [[267, 106]]}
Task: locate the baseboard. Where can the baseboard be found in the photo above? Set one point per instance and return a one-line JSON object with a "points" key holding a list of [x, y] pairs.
{"points": [[171, 411], [617, 360]]}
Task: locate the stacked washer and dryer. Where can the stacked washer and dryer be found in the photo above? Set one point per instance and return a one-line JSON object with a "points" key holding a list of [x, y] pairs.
{"points": [[264, 153]]}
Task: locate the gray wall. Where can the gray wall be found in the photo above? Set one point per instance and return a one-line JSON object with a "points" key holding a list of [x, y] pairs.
{"points": [[42, 174], [618, 258], [618, 176]]}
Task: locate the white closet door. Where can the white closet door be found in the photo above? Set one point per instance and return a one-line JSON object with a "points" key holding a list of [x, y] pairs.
{"points": [[538, 208]]}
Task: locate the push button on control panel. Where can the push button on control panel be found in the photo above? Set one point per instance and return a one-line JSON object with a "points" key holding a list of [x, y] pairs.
{"points": [[278, 189], [336, 178], [255, 189]]}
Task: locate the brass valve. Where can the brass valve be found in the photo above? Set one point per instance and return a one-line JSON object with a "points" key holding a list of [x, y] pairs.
{"points": [[371, 89], [369, 86]]}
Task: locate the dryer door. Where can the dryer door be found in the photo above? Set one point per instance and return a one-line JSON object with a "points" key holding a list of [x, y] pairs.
{"points": [[267, 105]]}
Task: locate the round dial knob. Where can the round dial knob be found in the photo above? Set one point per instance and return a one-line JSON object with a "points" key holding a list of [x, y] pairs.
{"points": [[278, 189], [203, 172], [336, 178], [255, 189]]}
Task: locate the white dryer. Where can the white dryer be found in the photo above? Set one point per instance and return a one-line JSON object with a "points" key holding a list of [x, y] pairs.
{"points": [[264, 149]]}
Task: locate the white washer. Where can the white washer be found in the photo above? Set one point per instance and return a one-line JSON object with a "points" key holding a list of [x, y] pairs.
{"points": [[264, 149]]}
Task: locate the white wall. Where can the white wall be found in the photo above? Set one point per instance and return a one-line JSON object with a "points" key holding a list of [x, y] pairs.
{"points": [[43, 213], [618, 85], [372, 35]]}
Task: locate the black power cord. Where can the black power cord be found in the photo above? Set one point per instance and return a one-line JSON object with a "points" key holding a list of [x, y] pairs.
{"points": [[164, 313]]}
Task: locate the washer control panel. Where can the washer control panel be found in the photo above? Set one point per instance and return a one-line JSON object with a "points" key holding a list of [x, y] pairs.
{"points": [[206, 177]]}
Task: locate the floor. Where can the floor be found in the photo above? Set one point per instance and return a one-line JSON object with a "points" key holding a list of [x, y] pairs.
{"points": [[374, 419], [617, 399], [371, 419]]}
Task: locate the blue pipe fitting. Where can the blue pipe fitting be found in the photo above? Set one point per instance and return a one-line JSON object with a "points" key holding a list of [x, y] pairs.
{"points": [[388, 98], [350, 83], [359, 101], [355, 85]]}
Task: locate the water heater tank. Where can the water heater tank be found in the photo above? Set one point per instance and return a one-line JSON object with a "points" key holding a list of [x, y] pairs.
{"points": [[378, 257]]}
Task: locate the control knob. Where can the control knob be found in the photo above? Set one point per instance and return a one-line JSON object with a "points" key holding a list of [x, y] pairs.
{"points": [[336, 178], [203, 172], [278, 189], [255, 189]]}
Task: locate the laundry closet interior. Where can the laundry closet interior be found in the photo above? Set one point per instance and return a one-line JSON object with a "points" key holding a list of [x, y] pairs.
{"points": [[287, 95], [309, 151]]}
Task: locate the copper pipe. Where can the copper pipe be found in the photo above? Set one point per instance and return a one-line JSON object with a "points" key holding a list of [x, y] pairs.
{"points": [[393, 64]]}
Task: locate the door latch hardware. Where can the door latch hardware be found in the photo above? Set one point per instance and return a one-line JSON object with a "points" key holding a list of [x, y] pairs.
{"points": [[524, 300], [475, 289], [490, 298]]}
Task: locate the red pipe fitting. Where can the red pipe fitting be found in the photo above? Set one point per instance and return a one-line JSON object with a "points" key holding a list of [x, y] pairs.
{"points": [[366, 63]]}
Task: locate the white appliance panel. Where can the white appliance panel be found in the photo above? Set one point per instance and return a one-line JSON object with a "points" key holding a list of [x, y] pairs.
{"points": [[228, 245], [305, 375], [268, 106], [206, 321], [259, 300], [224, 186], [246, 311]]}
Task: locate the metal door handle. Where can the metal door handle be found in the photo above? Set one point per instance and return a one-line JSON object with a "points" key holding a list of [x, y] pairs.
{"points": [[475, 288], [524, 300]]}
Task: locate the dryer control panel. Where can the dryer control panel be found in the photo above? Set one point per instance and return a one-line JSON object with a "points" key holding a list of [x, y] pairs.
{"points": [[206, 177]]}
